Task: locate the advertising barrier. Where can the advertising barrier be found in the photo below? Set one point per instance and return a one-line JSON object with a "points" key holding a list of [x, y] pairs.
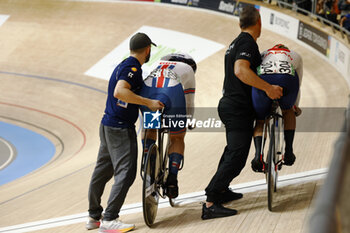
{"points": [[279, 23], [226, 7], [313, 37], [339, 57]]}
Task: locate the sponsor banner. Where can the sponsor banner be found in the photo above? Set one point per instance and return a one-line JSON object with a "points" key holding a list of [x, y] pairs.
{"points": [[224, 6], [167, 41], [279, 23], [179, 2], [207, 4], [339, 57], [195, 3], [228, 7], [241, 5], [231, 7], [313, 37]]}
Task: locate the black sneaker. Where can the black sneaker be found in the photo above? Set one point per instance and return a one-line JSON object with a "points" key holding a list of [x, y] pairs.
{"points": [[172, 190], [289, 158], [216, 211], [257, 165], [228, 196]]}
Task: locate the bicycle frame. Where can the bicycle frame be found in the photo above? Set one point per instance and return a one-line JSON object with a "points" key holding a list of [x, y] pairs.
{"points": [[163, 156], [274, 121]]}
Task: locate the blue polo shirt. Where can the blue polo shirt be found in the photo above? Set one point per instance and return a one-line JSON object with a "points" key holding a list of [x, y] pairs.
{"points": [[118, 113]]}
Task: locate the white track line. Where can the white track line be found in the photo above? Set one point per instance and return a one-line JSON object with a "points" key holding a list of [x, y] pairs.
{"points": [[181, 200], [12, 154]]}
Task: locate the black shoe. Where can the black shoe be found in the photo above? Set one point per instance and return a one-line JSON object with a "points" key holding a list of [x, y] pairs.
{"points": [[216, 211], [172, 189], [228, 196], [257, 165], [289, 158]]}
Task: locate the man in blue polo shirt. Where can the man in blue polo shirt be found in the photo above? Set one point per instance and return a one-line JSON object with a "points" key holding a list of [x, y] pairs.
{"points": [[117, 154]]}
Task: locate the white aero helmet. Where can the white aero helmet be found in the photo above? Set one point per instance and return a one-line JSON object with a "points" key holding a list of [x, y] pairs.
{"points": [[181, 57]]}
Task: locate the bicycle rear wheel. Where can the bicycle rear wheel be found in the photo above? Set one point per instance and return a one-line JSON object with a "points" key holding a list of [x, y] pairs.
{"points": [[271, 166], [150, 186]]}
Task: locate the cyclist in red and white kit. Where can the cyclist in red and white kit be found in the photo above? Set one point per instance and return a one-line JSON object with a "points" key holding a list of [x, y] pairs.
{"points": [[283, 67]]}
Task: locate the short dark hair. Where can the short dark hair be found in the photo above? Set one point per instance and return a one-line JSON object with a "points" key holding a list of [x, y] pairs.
{"points": [[249, 17], [139, 50]]}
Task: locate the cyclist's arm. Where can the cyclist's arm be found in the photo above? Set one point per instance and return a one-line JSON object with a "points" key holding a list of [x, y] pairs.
{"points": [[298, 63], [247, 76], [188, 82], [189, 87]]}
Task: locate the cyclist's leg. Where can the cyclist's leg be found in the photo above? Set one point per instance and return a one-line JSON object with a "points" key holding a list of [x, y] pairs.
{"points": [[289, 132], [177, 135], [151, 138], [176, 152], [291, 87], [262, 105], [257, 162]]}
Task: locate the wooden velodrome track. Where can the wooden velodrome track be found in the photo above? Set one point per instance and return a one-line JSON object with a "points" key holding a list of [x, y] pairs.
{"points": [[63, 39]]}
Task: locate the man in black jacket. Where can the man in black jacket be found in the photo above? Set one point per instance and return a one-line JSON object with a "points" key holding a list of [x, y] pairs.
{"points": [[236, 112]]}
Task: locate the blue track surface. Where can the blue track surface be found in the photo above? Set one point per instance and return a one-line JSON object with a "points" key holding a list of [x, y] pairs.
{"points": [[33, 151]]}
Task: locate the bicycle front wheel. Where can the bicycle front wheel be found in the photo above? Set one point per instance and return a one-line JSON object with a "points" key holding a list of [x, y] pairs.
{"points": [[150, 187]]}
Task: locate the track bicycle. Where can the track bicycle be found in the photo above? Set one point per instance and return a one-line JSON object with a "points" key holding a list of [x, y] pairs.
{"points": [[273, 161], [154, 173]]}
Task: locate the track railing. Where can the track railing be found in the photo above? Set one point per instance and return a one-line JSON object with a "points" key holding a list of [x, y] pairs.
{"points": [[335, 27]]}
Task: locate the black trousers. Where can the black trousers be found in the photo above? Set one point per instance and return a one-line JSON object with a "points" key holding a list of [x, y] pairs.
{"points": [[239, 133]]}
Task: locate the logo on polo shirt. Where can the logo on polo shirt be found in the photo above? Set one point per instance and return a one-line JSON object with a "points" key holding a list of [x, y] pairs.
{"points": [[245, 54]]}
